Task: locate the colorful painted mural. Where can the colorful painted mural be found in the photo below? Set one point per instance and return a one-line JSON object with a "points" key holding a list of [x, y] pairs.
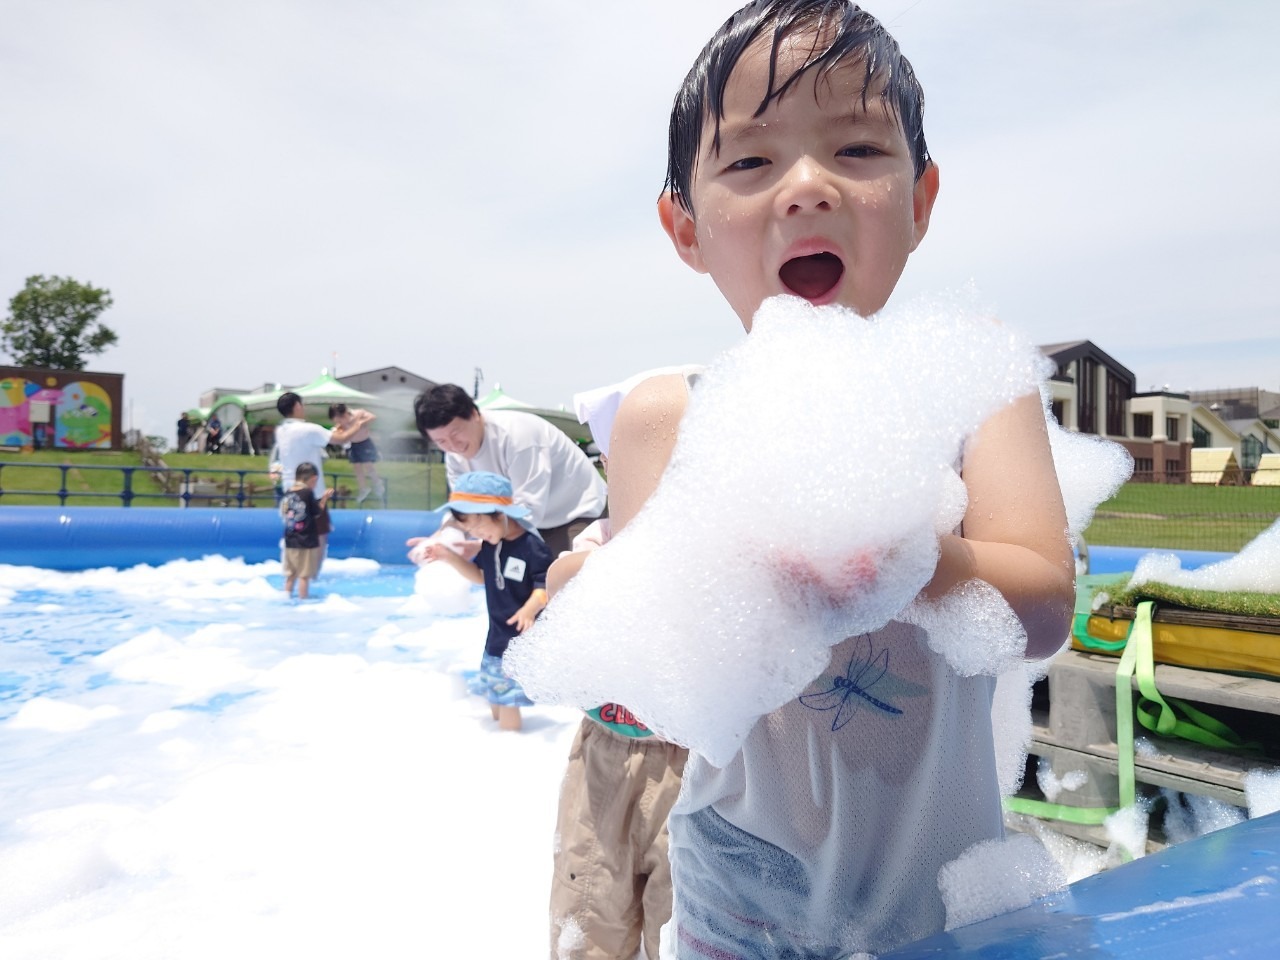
{"points": [[50, 412]]}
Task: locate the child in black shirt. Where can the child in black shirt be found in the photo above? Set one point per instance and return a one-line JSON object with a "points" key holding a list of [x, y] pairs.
{"points": [[300, 509], [512, 564]]}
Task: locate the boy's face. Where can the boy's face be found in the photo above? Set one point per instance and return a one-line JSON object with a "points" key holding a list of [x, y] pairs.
{"points": [[462, 436], [483, 526], [815, 198]]}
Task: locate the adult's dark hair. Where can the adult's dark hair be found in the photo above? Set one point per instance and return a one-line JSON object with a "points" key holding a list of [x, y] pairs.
{"points": [[438, 405], [843, 33], [337, 410], [286, 402]]}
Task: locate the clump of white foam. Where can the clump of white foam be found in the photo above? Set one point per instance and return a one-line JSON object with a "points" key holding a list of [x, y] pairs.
{"points": [[1255, 569], [1052, 785], [722, 611], [1127, 831], [438, 588], [43, 713], [1090, 470], [973, 627], [1262, 791], [996, 876], [571, 939], [1011, 723], [1188, 815]]}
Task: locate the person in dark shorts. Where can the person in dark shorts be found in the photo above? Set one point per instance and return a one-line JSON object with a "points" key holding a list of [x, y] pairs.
{"points": [[363, 453]]}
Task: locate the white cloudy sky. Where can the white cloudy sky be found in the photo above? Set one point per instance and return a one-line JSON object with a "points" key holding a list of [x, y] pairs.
{"points": [[442, 186]]}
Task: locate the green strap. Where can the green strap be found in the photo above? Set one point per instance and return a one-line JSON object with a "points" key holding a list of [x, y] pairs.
{"points": [[1089, 816], [1173, 717], [1124, 699]]}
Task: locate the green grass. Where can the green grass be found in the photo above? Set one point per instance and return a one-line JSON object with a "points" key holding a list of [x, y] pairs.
{"points": [[1184, 516], [1235, 602], [94, 478]]}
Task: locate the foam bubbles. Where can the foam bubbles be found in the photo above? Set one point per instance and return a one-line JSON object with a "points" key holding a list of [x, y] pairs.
{"points": [[1011, 723], [1051, 785], [1090, 470], [1188, 815], [724, 610], [1262, 791], [42, 713], [1256, 568], [1127, 831], [972, 627], [996, 876]]}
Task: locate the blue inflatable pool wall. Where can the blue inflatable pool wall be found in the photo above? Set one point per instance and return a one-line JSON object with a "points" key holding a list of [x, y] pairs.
{"points": [[81, 538]]}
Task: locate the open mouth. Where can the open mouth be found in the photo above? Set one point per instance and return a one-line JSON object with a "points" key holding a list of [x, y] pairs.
{"points": [[812, 277]]}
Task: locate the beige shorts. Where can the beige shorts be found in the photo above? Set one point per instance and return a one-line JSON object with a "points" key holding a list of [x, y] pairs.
{"points": [[612, 880], [301, 562]]}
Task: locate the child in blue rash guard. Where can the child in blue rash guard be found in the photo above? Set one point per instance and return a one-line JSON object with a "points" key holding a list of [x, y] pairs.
{"points": [[798, 166], [512, 564]]}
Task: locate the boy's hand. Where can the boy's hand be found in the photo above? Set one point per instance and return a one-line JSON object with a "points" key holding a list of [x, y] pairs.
{"points": [[522, 619], [418, 549]]}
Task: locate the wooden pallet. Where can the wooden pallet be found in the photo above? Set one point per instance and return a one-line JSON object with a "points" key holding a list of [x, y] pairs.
{"points": [[1078, 731]]}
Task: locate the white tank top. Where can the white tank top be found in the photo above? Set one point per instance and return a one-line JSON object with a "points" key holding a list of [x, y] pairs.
{"points": [[878, 774]]}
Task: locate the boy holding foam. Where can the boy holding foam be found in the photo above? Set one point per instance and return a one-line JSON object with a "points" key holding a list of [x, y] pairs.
{"points": [[798, 166]]}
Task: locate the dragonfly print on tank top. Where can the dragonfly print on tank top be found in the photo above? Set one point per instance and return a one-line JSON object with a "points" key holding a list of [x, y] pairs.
{"points": [[852, 691]]}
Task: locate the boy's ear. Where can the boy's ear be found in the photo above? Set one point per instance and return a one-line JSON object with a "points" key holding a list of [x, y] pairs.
{"points": [[926, 191], [678, 223]]}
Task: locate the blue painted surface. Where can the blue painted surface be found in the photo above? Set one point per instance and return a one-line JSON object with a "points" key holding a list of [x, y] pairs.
{"points": [[1124, 559], [1217, 896], [81, 538]]}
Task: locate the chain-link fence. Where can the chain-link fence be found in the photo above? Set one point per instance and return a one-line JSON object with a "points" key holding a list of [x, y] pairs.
{"points": [[1190, 511]]}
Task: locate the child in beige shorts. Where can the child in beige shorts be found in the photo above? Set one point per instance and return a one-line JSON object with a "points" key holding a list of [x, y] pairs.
{"points": [[302, 510], [611, 886]]}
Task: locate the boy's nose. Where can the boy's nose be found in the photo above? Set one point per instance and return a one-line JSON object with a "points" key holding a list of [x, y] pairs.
{"points": [[805, 188]]}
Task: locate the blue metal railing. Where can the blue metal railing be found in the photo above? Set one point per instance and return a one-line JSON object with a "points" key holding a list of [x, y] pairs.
{"points": [[187, 485]]}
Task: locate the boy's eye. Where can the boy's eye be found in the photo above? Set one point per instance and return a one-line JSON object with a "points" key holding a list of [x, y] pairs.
{"points": [[859, 150], [747, 163]]}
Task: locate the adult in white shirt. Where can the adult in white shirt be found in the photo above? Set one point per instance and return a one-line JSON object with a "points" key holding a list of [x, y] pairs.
{"points": [[298, 441], [549, 473]]}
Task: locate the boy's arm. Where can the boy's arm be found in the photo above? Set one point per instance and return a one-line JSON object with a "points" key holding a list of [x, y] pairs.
{"points": [[644, 434], [343, 434], [564, 569], [1015, 527], [439, 551]]}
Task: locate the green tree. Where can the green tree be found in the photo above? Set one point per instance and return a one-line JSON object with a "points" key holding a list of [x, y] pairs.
{"points": [[53, 322]]}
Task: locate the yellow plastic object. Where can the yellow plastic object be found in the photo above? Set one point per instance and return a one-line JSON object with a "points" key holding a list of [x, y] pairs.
{"points": [[1184, 645]]}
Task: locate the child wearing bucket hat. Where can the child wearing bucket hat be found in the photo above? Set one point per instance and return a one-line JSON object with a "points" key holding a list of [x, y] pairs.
{"points": [[512, 564]]}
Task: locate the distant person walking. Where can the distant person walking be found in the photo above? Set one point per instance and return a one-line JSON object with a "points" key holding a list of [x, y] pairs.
{"points": [[549, 474], [362, 454], [298, 442], [184, 432]]}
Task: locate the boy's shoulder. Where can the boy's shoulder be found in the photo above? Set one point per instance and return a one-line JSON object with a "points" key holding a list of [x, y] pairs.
{"points": [[664, 394]]}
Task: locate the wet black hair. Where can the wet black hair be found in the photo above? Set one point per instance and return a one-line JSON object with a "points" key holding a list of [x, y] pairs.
{"points": [[286, 402], [843, 32], [337, 410], [305, 471], [440, 404], [460, 516]]}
